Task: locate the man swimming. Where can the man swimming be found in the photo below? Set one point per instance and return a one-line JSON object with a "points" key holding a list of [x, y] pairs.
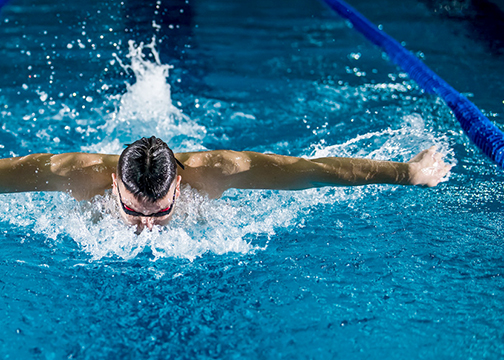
{"points": [[146, 177]]}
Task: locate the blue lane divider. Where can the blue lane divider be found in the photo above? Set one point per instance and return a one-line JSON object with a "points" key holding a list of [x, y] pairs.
{"points": [[476, 125]]}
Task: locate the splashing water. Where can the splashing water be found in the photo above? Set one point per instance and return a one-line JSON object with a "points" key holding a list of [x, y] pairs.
{"points": [[400, 144], [241, 222], [199, 225], [146, 108]]}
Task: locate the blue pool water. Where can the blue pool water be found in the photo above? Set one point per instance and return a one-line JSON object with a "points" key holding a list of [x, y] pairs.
{"points": [[376, 272]]}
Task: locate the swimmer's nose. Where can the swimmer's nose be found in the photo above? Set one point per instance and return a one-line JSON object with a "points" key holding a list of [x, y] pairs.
{"points": [[148, 222]]}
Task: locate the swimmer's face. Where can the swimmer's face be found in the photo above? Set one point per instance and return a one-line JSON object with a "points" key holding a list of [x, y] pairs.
{"points": [[145, 214]]}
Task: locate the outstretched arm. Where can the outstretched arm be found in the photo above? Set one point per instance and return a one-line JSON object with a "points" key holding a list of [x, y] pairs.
{"points": [[83, 175], [216, 171]]}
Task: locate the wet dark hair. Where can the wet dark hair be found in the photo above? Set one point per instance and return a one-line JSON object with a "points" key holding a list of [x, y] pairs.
{"points": [[147, 168]]}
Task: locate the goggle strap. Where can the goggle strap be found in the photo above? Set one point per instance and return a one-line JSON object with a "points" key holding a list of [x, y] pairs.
{"points": [[180, 164]]}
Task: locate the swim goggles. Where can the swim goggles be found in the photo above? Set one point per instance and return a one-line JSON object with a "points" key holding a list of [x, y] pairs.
{"points": [[132, 212]]}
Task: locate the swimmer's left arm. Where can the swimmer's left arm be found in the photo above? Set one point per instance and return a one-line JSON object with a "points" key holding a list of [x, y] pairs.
{"points": [[425, 169], [250, 170]]}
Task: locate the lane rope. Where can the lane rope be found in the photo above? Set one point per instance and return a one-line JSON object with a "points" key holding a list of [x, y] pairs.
{"points": [[482, 132]]}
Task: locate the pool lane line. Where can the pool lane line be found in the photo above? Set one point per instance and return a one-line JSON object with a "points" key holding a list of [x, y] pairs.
{"points": [[482, 132]]}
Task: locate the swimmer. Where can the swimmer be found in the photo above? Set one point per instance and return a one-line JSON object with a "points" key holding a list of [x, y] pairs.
{"points": [[146, 177]]}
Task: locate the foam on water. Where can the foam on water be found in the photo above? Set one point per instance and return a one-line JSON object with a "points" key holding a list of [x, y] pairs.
{"points": [[241, 222], [199, 225], [409, 137]]}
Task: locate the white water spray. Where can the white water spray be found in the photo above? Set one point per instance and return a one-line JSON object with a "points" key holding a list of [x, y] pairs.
{"points": [[146, 108]]}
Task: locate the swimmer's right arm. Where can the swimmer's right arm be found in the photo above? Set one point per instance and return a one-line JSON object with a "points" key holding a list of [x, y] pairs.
{"points": [[82, 175]]}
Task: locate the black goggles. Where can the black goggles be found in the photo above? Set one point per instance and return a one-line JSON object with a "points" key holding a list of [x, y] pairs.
{"points": [[132, 212]]}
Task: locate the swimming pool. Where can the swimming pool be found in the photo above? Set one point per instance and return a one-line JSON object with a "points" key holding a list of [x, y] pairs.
{"points": [[370, 272]]}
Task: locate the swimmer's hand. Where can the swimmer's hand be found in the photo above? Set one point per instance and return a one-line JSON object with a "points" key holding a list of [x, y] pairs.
{"points": [[428, 168]]}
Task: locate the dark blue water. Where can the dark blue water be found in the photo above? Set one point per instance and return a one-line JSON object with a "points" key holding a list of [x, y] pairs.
{"points": [[337, 273]]}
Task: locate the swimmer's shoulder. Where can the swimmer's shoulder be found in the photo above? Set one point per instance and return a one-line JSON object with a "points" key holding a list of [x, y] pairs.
{"points": [[211, 171], [227, 161], [86, 174], [67, 163]]}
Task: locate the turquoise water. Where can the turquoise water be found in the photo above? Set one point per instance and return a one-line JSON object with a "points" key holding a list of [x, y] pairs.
{"points": [[336, 273]]}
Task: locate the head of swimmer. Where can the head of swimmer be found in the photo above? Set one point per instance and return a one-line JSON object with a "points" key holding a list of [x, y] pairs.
{"points": [[146, 183]]}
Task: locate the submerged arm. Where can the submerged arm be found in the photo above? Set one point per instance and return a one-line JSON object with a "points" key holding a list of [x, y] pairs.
{"points": [[83, 175]]}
